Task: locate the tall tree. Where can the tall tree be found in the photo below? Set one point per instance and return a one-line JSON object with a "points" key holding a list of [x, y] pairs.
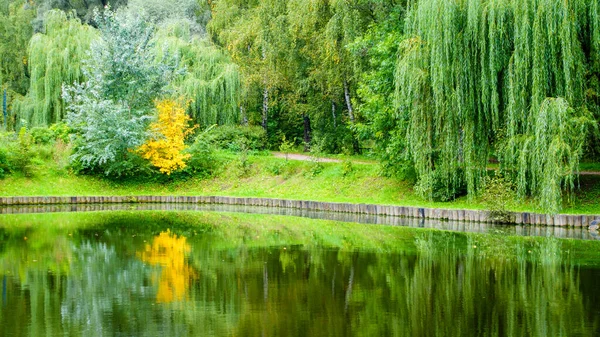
{"points": [[252, 32], [474, 77], [211, 80], [111, 111], [83, 9], [15, 32], [55, 58]]}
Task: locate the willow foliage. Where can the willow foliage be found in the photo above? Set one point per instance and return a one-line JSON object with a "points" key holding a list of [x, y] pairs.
{"points": [[476, 77], [212, 81], [55, 58], [15, 32]]}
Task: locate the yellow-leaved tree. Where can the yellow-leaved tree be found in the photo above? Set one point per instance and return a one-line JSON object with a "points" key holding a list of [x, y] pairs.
{"points": [[164, 149]]}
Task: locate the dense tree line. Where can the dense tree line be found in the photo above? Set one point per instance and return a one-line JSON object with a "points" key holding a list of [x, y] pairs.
{"points": [[435, 88]]}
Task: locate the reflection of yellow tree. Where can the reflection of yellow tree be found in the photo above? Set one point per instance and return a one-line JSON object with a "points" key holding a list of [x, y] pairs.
{"points": [[168, 251]]}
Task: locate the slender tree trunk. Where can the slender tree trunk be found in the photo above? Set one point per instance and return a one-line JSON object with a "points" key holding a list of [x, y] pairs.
{"points": [[348, 102], [243, 116], [4, 110], [265, 112], [333, 114], [355, 145], [307, 132]]}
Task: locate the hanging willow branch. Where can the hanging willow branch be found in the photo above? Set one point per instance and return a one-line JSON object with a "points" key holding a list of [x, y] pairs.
{"points": [[55, 58], [212, 81], [479, 80]]}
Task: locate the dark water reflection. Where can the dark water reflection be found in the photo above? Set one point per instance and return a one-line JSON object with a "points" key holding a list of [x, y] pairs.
{"points": [[105, 279]]}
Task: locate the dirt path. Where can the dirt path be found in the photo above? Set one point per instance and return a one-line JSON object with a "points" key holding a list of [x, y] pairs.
{"points": [[304, 157]]}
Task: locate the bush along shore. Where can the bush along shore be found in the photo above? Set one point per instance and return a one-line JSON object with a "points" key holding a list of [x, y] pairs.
{"points": [[525, 218]]}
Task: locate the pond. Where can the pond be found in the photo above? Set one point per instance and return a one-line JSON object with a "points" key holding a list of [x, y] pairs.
{"points": [[207, 273]]}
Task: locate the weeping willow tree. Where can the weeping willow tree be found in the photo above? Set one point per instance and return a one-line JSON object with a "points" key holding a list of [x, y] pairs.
{"points": [[211, 81], [476, 77], [55, 58]]}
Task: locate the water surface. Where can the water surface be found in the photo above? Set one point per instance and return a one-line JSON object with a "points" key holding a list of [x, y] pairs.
{"points": [[156, 273]]}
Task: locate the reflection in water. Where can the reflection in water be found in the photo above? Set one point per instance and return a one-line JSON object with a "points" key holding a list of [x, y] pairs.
{"points": [[131, 279], [491, 293], [169, 252]]}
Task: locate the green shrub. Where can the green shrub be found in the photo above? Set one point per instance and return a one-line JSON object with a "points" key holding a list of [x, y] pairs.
{"points": [[433, 187], [8, 144], [236, 138], [243, 162], [276, 168], [286, 147], [61, 131], [44, 152], [347, 168], [22, 154], [499, 196], [5, 166], [203, 161], [41, 135], [316, 167]]}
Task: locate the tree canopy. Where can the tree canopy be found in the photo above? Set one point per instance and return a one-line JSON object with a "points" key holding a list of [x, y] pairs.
{"points": [[437, 89]]}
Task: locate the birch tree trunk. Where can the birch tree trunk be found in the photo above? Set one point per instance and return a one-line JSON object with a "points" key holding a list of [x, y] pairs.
{"points": [[348, 102], [355, 144], [265, 110], [333, 114]]}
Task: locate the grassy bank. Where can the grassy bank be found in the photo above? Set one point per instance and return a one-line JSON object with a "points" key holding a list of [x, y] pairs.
{"points": [[262, 175]]}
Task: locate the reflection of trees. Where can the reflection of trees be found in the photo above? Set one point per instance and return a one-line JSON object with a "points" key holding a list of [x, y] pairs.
{"points": [[445, 290], [442, 293], [169, 252], [110, 285], [102, 292], [38, 265]]}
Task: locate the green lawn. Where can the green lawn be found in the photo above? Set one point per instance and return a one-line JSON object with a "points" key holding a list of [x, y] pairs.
{"points": [[267, 176]]}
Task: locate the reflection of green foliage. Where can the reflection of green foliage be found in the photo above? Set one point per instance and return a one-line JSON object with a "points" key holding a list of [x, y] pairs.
{"points": [[291, 276]]}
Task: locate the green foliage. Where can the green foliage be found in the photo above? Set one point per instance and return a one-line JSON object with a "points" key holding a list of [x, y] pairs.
{"points": [[22, 154], [84, 9], [61, 131], [5, 164], [55, 59], [276, 168], [347, 168], [203, 161], [15, 33], [212, 81], [110, 113], [316, 165], [236, 138], [499, 196], [168, 11], [433, 187], [378, 47], [286, 147], [545, 160], [475, 76], [47, 135], [41, 135]]}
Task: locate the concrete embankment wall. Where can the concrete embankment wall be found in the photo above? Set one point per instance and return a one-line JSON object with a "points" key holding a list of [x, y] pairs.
{"points": [[569, 220]]}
